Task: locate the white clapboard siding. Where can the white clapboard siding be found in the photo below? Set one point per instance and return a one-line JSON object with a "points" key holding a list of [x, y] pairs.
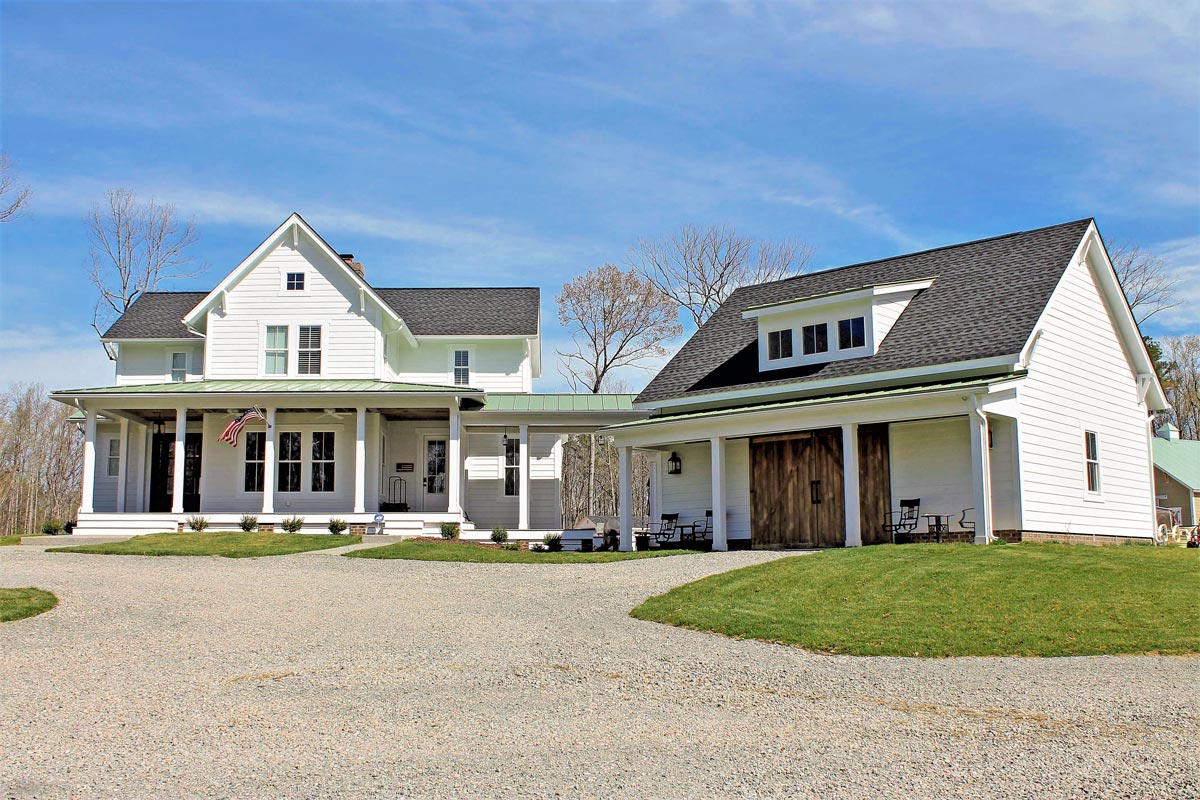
{"points": [[1080, 379], [689, 494], [485, 501], [104, 494], [150, 362], [496, 366], [350, 341], [545, 490]]}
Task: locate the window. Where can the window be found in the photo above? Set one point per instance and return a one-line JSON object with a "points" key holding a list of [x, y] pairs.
{"points": [[178, 367], [295, 281], [816, 339], [114, 457], [277, 350], [435, 466], [462, 368], [779, 344], [851, 333], [308, 356], [512, 467], [289, 461], [322, 462], [256, 449], [1091, 455]]}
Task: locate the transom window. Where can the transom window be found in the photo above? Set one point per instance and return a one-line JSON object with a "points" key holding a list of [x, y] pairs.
{"points": [[851, 333], [114, 457], [289, 461], [309, 352], [256, 449], [295, 281], [512, 467], [1091, 456], [178, 367], [779, 344], [462, 368], [322, 461], [276, 350], [816, 338]]}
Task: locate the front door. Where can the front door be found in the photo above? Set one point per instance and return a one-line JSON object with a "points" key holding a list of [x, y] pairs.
{"points": [[434, 484], [162, 471], [796, 490]]}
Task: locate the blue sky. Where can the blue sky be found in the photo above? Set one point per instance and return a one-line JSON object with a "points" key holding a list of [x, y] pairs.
{"points": [[512, 144]]}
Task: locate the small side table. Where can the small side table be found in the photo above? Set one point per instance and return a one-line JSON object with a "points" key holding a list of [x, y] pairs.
{"points": [[937, 524]]}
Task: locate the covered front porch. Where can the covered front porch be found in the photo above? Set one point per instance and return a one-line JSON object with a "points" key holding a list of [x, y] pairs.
{"points": [[834, 472]]}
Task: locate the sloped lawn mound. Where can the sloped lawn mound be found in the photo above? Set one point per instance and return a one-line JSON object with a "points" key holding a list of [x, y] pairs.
{"points": [[230, 544]]}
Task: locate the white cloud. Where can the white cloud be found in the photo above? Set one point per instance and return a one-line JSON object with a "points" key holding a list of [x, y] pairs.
{"points": [[57, 358], [1183, 258]]}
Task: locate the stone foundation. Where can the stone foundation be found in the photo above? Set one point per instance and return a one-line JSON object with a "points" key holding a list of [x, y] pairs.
{"points": [[266, 527], [357, 529], [1098, 539]]}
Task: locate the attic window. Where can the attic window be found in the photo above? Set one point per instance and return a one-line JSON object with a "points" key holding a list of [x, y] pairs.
{"points": [[295, 281], [851, 333], [779, 344], [816, 338]]}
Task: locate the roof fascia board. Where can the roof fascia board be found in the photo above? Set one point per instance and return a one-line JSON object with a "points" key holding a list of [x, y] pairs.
{"points": [[474, 336], [891, 376], [831, 298], [199, 337]]}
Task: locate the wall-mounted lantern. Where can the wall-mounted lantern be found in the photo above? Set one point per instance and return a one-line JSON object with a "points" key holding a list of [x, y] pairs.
{"points": [[674, 464]]}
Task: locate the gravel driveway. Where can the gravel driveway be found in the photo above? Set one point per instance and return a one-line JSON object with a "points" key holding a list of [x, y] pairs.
{"points": [[319, 676]]}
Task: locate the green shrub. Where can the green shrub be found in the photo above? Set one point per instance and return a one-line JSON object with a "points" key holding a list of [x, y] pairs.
{"points": [[450, 530], [553, 542], [53, 526], [337, 525], [499, 534], [292, 524], [511, 545], [248, 523], [197, 522]]}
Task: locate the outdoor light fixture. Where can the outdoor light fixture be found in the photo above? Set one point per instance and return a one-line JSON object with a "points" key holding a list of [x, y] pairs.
{"points": [[674, 464]]}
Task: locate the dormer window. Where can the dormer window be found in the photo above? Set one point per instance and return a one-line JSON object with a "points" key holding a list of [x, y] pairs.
{"points": [[295, 282], [779, 344], [852, 333], [816, 338]]}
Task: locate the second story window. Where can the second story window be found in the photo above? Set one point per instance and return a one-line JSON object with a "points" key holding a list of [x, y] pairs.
{"points": [[277, 350], [178, 367], [851, 333], [816, 339], [309, 352], [295, 282], [779, 344], [462, 368]]}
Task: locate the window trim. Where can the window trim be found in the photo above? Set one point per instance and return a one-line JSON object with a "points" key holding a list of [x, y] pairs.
{"points": [[319, 349], [313, 461], [112, 466], [862, 320], [286, 349], [1092, 444], [804, 338], [505, 467], [776, 353], [261, 463], [298, 461], [171, 365], [469, 366], [287, 280]]}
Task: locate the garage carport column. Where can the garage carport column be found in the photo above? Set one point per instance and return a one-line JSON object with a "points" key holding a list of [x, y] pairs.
{"points": [[981, 472], [850, 484], [89, 462], [454, 462], [360, 462], [720, 539], [523, 475], [268, 504], [180, 454], [625, 495]]}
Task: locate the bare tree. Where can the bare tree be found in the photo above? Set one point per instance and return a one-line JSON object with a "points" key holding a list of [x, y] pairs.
{"points": [[134, 248], [1147, 281], [40, 457], [698, 269], [13, 194], [1180, 375]]}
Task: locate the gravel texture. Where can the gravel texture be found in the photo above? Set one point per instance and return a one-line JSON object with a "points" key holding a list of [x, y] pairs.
{"points": [[316, 676]]}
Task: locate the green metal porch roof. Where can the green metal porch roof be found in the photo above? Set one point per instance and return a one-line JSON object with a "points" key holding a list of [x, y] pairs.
{"points": [[349, 386], [558, 402], [1179, 458]]}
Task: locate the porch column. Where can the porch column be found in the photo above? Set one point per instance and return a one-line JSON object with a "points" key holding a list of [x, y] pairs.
{"points": [[360, 462], [625, 495], [143, 451], [268, 499], [720, 538], [981, 473], [454, 463], [850, 484], [89, 463], [523, 475], [177, 498], [122, 470]]}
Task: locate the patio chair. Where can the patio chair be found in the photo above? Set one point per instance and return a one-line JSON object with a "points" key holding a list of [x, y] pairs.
{"points": [[664, 530], [903, 521], [699, 531], [964, 523]]}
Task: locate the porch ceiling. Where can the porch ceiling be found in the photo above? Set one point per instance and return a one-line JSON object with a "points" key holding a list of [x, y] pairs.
{"points": [[286, 386]]}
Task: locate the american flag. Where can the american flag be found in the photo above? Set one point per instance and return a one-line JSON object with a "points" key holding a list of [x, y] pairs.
{"points": [[234, 428]]}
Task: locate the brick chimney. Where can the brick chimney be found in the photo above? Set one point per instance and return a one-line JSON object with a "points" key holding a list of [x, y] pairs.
{"points": [[354, 265]]}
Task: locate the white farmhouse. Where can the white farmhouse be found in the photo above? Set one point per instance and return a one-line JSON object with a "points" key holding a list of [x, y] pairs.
{"points": [[415, 404], [997, 388]]}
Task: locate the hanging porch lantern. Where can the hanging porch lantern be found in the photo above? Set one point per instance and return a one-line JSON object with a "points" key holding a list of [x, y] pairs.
{"points": [[674, 464]]}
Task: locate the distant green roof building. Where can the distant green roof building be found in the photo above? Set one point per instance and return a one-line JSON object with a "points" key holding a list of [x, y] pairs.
{"points": [[1177, 473]]}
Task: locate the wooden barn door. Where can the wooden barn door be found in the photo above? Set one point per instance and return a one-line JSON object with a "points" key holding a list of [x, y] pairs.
{"points": [[796, 490], [874, 482]]}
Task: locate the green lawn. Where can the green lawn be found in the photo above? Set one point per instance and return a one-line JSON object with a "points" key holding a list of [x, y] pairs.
{"points": [[455, 551], [954, 600], [21, 603], [230, 544], [10, 539]]}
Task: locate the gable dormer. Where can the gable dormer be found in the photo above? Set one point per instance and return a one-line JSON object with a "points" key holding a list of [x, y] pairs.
{"points": [[832, 327]]}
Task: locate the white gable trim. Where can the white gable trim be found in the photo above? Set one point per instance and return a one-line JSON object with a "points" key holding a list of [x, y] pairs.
{"points": [[1097, 261], [293, 225]]}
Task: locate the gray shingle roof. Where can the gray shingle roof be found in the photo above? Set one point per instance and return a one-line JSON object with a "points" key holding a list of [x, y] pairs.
{"points": [[985, 299], [428, 312]]}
